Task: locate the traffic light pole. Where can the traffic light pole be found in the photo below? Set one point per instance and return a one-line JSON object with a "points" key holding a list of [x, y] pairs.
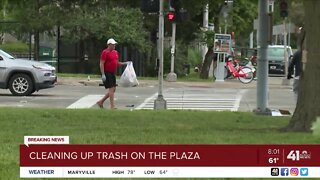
{"points": [[262, 73], [285, 81], [172, 77], [160, 103]]}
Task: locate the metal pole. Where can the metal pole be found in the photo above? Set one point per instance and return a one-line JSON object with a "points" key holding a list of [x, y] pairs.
{"points": [[30, 45], [172, 77], [285, 81], [160, 103], [289, 34], [205, 24], [58, 49], [161, 36], [251, 40], [173, 46], [225, 26], [285, 47], [204, 46], [262, 73]]}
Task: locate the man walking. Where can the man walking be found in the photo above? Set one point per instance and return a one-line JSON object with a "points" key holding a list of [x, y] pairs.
{"points": [[108, 67], [296, 64]]}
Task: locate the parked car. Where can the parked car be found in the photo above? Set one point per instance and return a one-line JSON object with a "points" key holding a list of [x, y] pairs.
{"points": [[276, 59], [24, 77]]}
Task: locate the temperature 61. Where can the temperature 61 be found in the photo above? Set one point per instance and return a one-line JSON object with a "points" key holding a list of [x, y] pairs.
{"points": [[273, 160]]}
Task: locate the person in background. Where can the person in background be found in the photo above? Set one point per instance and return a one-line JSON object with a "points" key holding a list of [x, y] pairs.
{"points": [[254, 58], [254, 62], [296, 65], [109, 61]]}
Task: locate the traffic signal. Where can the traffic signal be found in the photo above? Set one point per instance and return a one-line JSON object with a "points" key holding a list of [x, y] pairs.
{"points": [[177, 13], [171, 16], [283, 8], [175, 5]]}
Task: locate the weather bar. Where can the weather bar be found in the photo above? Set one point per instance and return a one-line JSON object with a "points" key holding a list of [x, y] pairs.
{"points": [[156, 161], [168, 172]]}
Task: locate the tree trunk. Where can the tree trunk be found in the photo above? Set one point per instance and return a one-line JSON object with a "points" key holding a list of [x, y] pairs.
{"points": [[1, 38], [204, 73], [308, 105]]}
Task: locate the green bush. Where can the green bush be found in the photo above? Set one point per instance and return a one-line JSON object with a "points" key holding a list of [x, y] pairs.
{"points": [[179, 60], [17, 47], [194, 57]]}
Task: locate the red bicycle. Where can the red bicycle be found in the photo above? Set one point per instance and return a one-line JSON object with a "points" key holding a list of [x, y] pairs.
{"points": [[243, 73]]}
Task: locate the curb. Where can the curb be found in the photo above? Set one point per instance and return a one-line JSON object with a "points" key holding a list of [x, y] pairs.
{"points": [[231, 83]]}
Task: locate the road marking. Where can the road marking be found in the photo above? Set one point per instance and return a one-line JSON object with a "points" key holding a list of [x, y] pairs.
{"points": [[85, 102], [238, 100], [199, 99], [146, 101]]}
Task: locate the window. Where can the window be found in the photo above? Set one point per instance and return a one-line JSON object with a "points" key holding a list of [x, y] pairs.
{"points": [[275, 52], [2, 53]]}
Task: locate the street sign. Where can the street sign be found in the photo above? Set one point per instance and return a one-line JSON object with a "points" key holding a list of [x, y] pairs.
{"points": [[222, 43]]}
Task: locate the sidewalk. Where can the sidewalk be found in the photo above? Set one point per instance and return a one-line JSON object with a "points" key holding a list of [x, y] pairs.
{"points": [[273, 82]]}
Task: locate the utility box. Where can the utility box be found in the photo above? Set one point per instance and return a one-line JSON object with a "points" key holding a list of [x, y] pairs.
{"points": [[222, 46]]}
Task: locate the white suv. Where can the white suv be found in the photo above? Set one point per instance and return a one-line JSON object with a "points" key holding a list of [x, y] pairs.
{"points": [[24, 77], [276, 59]]}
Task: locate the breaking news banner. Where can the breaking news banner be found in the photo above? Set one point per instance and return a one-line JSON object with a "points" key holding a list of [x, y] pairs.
{"points": [[58, 159], [46, 140]]}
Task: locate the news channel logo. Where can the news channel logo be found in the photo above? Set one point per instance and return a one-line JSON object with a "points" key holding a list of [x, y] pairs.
{"points": [[274, 171], [289, 171]]}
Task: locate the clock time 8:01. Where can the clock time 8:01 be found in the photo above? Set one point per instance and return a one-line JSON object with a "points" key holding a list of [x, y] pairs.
{"points": [[273, 151]]}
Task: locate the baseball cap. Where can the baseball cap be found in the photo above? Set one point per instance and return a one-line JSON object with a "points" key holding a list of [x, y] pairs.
{"points": [[111, 41]]}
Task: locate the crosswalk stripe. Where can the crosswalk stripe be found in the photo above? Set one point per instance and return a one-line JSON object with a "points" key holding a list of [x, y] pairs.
{"points": [[215, 100], [85, 102], [197, 108], [238, 100], [146, 101], [224, 100], [193, 104]]}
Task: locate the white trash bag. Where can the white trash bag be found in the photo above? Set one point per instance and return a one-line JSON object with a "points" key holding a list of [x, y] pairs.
{"points": [[128, 77]]}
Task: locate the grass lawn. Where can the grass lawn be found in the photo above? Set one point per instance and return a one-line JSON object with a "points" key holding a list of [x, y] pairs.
{"points": [[95, 126]]}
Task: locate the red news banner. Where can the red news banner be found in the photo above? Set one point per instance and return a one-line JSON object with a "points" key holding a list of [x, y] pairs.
{"points": [[169, 155]]}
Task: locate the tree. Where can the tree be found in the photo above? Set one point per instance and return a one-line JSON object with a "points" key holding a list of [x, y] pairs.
{"points": [[101, 19], [308, 105], [204, 73], [33, 16], [296, 13], [89, 23], [242, 15], [3, 5], [82, 19]]}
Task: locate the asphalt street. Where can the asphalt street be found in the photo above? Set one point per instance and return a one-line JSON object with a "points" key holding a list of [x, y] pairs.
{"points": [[230, 95]]}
